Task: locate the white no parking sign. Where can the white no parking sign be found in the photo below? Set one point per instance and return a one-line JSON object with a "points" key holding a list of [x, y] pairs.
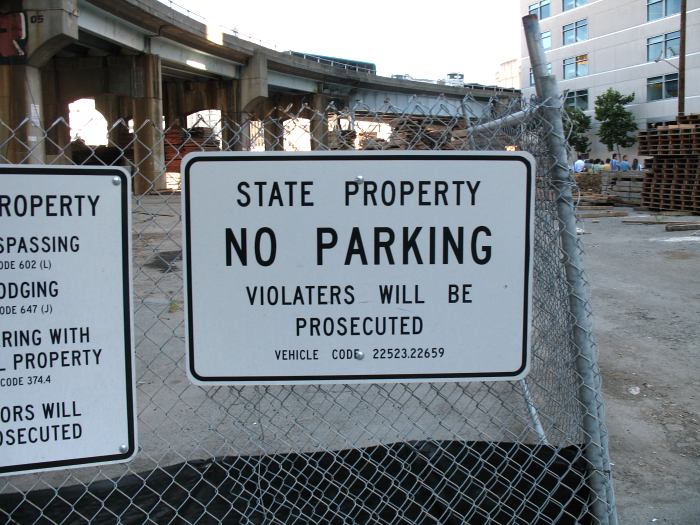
{"points": [[357, 267]]}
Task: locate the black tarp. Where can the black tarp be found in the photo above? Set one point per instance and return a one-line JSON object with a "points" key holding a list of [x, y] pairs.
{"points": [[425, 482]]}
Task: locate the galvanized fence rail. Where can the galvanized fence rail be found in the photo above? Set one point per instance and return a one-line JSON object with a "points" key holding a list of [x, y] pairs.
{"points": [[521, 452]]}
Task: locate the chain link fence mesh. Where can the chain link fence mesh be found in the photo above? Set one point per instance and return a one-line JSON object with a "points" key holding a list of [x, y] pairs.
{"points": [[472, 452]]}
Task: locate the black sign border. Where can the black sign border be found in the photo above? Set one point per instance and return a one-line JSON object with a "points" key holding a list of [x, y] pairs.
{"points": [[28, 170], [373, 156]]}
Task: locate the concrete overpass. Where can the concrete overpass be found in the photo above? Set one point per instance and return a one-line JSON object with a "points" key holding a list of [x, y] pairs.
{"points": [[140, 59]]}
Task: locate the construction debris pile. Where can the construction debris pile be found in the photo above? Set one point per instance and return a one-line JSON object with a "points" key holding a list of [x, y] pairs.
{"points": [[612, 187], [411, 133], [589, 182], [672, 182], [86, 155], [179, 142], [342, 139]]}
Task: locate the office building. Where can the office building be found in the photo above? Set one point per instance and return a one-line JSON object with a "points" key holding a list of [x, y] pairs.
{"points": [[628, 45]]}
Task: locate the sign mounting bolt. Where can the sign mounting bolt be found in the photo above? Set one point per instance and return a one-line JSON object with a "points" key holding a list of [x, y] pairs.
{"points": [[123, 449], [360, 179], [359, 355], [116, 181]]}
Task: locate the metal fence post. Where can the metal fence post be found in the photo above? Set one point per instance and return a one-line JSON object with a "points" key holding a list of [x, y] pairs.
{"points": [[589, 391]]}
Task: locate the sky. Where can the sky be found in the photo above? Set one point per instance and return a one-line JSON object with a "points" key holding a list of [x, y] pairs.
{"points": [[424, 39]]}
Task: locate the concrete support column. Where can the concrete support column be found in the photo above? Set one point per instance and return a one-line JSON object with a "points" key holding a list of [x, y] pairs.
{"points": [[116, 110], [56, 118], [22, 137], [232, 130], [170, 103], [253, 83], [273, 127], [21, 112], [57, 123], [319, 122], [244, 142], [148, 115], [174, 104]]}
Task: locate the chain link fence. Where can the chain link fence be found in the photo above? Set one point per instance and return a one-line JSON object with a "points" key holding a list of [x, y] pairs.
{"points": [[521, 452]]}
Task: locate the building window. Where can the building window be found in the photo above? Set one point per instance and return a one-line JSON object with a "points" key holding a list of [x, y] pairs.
{"points": [[570, 4], [659, 88], [663, 46], [660, 8], [575, 66], [532, 74], [547, 40], [577, 99], [575, 32], [541, 9]]}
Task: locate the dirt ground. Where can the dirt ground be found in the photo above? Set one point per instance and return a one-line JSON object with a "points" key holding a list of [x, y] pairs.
{"points": [[645, 286]]}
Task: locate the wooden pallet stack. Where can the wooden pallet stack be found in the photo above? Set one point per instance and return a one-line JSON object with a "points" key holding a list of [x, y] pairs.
{"points": [[625, 187], [419, 134], [180, 142], [672, 181], [678, 137]]}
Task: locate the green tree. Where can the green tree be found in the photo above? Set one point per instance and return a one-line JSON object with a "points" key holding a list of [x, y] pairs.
{"points": [[617, 125], [576, 125]]}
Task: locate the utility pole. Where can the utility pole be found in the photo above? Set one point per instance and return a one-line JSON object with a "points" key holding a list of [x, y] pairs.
{"points": [[681, 61]]}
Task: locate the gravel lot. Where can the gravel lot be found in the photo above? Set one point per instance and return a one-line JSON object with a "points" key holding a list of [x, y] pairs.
{"points": [[645, 285]]}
